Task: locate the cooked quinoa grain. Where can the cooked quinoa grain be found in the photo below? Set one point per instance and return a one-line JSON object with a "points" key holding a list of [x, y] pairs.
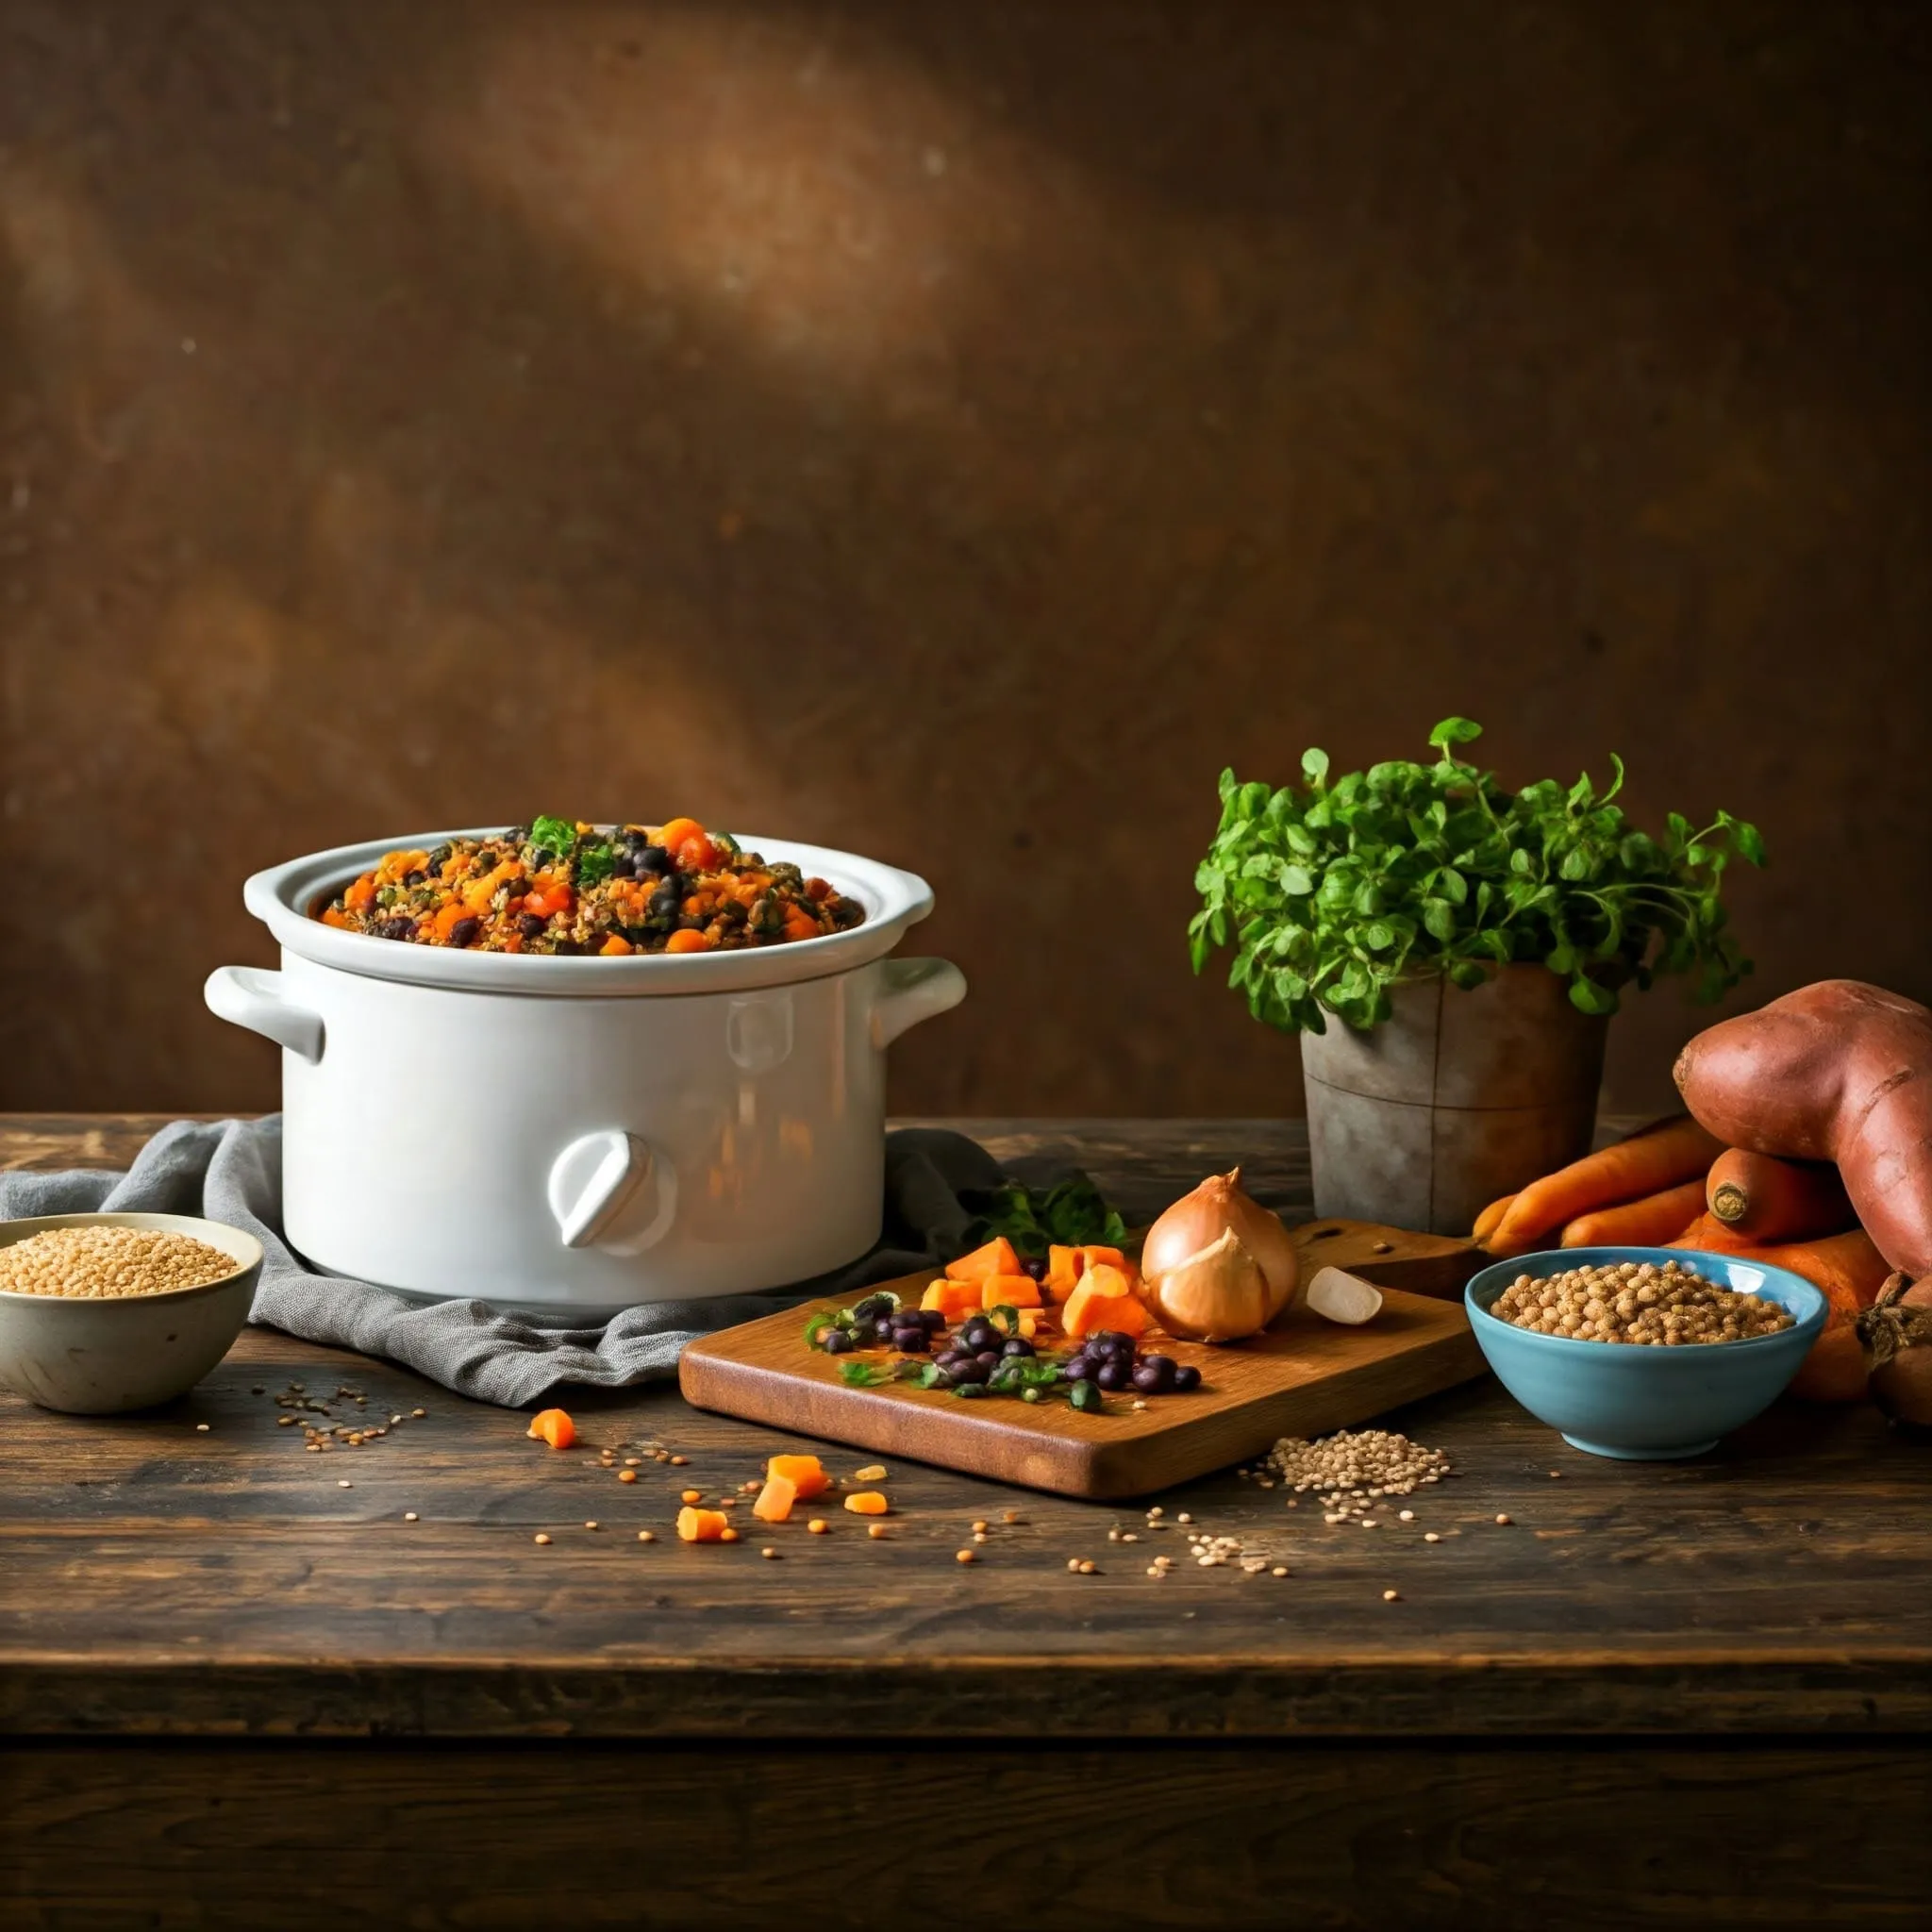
{"points": [[1667, 1306], [103, 1263], [559, 887]]}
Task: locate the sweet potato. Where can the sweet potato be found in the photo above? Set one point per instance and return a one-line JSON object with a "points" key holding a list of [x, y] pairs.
{"points": [[1766, 1199], [1841, 1071]]}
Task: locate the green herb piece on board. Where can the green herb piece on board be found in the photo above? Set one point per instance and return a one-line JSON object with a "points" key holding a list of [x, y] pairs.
{"points": [[863, 1375], [1331, 893]]}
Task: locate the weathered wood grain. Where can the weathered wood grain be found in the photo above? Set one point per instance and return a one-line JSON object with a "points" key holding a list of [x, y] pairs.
{"points": [[1303, 1378], [159, 1581], [740, 1834]]}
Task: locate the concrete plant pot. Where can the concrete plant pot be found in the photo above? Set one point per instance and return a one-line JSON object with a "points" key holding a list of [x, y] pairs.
{"points": [[1458, 1098]]}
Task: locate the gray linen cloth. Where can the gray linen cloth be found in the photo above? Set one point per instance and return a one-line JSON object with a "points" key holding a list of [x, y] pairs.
{"points": [[231, 1171]]}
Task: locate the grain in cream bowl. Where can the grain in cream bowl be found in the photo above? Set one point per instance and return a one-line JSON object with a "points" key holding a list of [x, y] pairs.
{"points": [[105, 1312]]}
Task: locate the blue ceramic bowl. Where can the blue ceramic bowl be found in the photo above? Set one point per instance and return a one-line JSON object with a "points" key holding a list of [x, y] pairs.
{"points": [[1646, 1403]]}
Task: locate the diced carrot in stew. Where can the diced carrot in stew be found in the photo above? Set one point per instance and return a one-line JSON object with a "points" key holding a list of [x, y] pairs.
{"points": [[690, 941]]}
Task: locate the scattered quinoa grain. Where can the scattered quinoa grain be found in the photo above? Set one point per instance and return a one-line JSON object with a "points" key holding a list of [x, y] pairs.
{"points": [[1086, 1569], [964, 1557], [591, 1524], [1429, 1536], [419, 1413], [647, 1536], [872, 1472], [819, 1526], [769, 1553], [1502, 1519], [1073, 1562], [877, 1532], [1389, 1596], [979, 1526], [344, 1482], [540, 1536], [408, 1516], [1405, 1516], [679, 1461]]}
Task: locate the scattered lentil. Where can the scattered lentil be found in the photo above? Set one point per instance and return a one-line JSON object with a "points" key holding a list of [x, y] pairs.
{"points": [[592, 1524], [100, 1262], [540, 1536], [769, 1553], [1086, 1569], [679, 1461], [626, 1476], [819, 1526], [201, 1428], [1389, 1596], [345, 1484], [647, 1536], [1502, 1519], [727, 1535], [408, 1516], [872, 1472], [692, 1497], [1429, 1536], [964, 1557], [876, 1532]]}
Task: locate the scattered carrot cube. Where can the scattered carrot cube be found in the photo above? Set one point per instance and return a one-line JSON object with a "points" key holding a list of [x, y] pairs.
{"points": [[1009, 1290], [805, 1475], [951, 1298], [553, 1425], [703, 1526], [867, 1503], [775, 1500], [995, 1257], [1103, 1300], [1063, 1267]]}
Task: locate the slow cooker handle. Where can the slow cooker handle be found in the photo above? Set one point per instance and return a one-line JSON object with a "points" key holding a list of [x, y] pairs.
{"points": [[593, 1183], [251, 996], [911, 991]]}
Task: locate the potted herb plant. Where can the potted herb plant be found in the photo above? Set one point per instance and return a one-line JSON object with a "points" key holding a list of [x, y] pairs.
{"points": [[1475, 943]]}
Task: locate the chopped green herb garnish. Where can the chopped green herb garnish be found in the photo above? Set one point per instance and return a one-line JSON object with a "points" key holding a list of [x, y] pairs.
{"points": [[554, 835]]}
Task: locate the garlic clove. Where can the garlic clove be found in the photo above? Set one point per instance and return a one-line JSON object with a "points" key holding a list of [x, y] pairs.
{"points": [[1343, 1297]]}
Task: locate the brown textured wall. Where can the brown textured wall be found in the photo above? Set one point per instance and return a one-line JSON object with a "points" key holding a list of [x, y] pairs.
{"points": [[953, 432]]}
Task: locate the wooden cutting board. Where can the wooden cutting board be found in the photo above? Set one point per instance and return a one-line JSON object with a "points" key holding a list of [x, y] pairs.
{"points": [[1301, 1379]]}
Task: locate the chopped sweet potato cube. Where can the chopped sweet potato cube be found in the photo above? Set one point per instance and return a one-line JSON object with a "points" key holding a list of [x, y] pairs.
{"points": [[1009, 1290], [704, 1526], [867, 1503], [775, 1500], [805, 1475], [553, 1425], [995, 1257], [951, 1298], [1103, 1300]]}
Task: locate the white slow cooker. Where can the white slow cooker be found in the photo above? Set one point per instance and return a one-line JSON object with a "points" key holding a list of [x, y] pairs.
{"points": [[572, 1136]]}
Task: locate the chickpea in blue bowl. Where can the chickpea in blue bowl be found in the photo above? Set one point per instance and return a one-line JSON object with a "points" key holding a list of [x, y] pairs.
{"points": [[1643, 1354]]}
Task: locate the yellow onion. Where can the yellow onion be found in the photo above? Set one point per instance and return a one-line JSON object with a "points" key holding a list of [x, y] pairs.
{"points": [[1218, 1266]]}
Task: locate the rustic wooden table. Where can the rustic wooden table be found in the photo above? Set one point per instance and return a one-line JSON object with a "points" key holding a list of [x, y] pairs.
{"points": [[232, 1671]]}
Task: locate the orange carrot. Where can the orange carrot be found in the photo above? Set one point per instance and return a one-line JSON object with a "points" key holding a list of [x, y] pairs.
{"points": [[553, 1425], [867, 1503], [704, 1527], [688, 941], [1487, 1220], [1646, 1223], [775, 1500], [1767, 1199], [1850, 1271], [1665, 1156]]}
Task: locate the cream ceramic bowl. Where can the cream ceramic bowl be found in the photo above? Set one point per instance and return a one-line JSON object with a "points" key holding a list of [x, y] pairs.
{"points": [[98, 1357], [574, 1135]]}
